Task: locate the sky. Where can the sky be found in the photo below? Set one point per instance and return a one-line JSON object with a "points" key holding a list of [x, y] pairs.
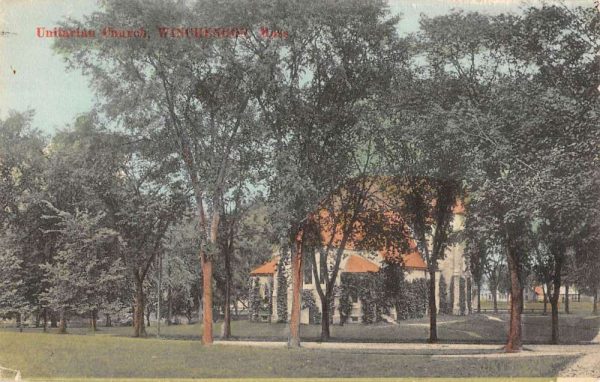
{"points": [[32, 76]]}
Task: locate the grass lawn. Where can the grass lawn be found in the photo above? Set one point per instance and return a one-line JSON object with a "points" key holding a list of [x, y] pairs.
{"points": [[575, 307], [484, 328], [46, 355]]}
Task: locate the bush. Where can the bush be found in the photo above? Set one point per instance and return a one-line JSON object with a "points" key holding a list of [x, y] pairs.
{"points": [[345, 307], [255, 300], [366, 287], [462, 296], [308, 302], [450, 309], [443, 292], [282, 286], [408, 298], [469, 295]]}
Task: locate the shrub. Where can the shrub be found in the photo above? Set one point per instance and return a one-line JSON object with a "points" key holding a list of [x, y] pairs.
{"points": [[282, 286], [345, 307], [255, 300], [469, 295], [462, 296], [443, 292], [450, 309], [308, 302]]}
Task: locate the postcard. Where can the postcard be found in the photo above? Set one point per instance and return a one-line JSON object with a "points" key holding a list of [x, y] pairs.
{"points": [[311, 190]]}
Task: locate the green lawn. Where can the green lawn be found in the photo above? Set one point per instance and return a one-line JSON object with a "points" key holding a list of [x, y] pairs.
{"points": [[582, 307], [46, 355], [484, 328]]}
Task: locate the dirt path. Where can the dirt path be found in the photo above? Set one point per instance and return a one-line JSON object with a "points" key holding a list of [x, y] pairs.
{"points": [[588, 365]]}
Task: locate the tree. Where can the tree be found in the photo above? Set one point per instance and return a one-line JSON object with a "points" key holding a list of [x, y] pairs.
{"points": [[13, 292], [118, 176], [184, 83], [181, 271], [83, 271], [507, 79], [312, 108], [443, 292], [22, 183], [477, 255]]}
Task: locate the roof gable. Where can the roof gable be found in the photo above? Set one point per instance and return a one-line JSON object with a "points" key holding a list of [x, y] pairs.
{"points": [[358, 264], [267, 268]]}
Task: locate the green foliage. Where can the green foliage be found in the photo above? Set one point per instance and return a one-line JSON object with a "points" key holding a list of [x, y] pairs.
{"points": [[469, 295], [419, 293], [309, 302], [255, 301], [409, 299], [462, 303], [363, 287], [443, 293], [451, 297], [12, 286], [84, 271], [394, 286], [282, 287]]}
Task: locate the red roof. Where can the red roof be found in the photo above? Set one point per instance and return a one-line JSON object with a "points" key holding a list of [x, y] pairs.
{"points": [[414, 260], [358, 264], [267, 268]]}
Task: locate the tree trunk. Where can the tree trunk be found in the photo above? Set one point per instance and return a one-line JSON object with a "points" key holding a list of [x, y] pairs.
{"points": [[479, 297], [207, 298], [432, 309], [294, 338], [226, 329], [495, 299], [325, 333], [169, 306], [62, 325], [45, 316], [148, 315], [19, 322], [138, 312], [53, 323], [554, 304], [235, 307], [108, 321], [226, 334], [522, 302], [93, 320], [567, 298], [595, 303], [514, 342], [544, 288]]}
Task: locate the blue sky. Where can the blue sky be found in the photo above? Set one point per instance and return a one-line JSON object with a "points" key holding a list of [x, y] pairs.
{"points": [[42, 83]]}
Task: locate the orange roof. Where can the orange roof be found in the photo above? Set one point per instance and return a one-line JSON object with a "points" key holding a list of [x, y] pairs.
{"points": [[267, 268], [358, 264], [414, 260]]}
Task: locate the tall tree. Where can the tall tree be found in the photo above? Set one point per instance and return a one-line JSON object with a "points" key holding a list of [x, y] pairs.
{"points": [[83, 271], [197, 97], [22, 185], [311, 109]]}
